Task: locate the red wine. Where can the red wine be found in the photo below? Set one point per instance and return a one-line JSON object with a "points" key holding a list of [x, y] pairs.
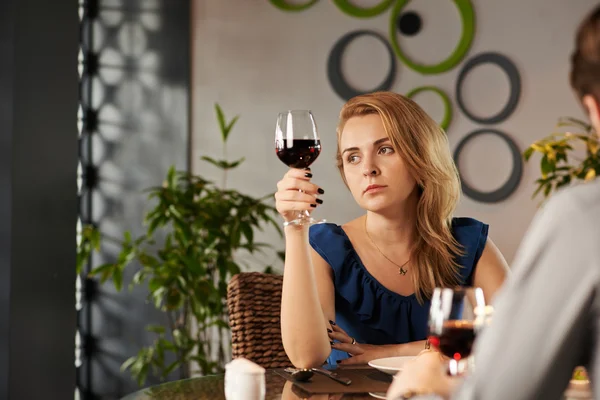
{"points": [[301, 154], [456, 339]]}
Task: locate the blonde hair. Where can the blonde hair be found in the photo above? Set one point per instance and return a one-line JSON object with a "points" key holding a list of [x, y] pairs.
{"points": [[423, 146]]}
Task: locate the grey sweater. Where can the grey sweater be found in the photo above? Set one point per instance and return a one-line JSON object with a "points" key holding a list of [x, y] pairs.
{"points": [[547, 315]]}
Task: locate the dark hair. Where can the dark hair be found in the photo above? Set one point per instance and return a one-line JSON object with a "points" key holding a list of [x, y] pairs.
{"points": [[585, 61]]}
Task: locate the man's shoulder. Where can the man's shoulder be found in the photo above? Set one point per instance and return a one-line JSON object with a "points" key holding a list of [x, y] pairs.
{"points": [[574, 201]]}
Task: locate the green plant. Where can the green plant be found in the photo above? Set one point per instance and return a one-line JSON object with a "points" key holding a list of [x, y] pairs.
{"points": [[561, 164], [194, 233]]}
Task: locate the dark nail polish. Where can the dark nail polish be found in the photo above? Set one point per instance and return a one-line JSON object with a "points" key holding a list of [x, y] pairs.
{"points": [[331, 343], [329, 330], [319, 201], [308, 175], [307, 169], [313, 205], [331, 322], [320, 191]]}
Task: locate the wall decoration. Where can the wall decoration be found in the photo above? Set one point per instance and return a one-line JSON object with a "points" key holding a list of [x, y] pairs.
{"points": [[285, 6], [467, 16], [409, 23], [362, 12], [447, 105], [515, 86], [515, 176], [334, 66]]}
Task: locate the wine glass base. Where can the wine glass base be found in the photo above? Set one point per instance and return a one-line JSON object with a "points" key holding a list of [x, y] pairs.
{"points": [[305, 221]]}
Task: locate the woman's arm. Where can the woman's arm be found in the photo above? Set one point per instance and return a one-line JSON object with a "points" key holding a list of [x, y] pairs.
{"points": [[307, 301], [491, 271], [363, 353]]}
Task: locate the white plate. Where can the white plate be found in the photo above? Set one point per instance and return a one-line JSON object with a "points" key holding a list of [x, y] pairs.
{"points": [[378, 395], [390, 365]]}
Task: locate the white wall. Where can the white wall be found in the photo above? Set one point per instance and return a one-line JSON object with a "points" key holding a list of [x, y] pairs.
{"points": [[256, 60]]}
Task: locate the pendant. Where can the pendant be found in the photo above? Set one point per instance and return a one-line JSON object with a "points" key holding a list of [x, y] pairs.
{"points": [[402, 271]]}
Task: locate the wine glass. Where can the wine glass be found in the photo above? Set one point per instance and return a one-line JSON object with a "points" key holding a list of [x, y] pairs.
{"points": [[450, 331], [297, 144]]}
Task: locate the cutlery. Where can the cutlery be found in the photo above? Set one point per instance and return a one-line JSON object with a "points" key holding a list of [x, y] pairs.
{"points": [[304, 374]]}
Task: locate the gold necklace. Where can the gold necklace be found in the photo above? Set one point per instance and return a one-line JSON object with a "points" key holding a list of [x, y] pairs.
{"points": [[401, 269]]}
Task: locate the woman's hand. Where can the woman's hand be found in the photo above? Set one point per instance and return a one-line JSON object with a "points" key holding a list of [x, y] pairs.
{"points": [[427, 374], [296, 193], [361, 353]]}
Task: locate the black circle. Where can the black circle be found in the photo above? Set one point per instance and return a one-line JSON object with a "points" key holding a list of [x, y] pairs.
{"points": [[334, 66], [513, 180], [515, 86], [409, 23]]}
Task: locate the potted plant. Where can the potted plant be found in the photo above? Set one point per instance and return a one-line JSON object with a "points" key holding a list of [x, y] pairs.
{"points": [[567, 157], [204, 226]]}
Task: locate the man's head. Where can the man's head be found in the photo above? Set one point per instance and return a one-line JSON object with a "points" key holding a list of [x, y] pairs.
{"points": [[585, 66]]}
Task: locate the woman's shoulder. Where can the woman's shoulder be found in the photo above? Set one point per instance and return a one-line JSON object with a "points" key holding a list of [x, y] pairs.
{"points": [[330, 231], [468, 229], [325, 231], [472, 235], [466, 222]]}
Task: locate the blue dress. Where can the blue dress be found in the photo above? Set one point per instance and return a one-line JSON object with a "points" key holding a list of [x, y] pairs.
{"points": [[364, 308]]}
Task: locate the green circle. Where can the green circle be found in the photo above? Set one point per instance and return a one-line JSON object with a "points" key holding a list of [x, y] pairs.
{"points": [[281, 4], [362, 12], [447, 105], [467, 16]]}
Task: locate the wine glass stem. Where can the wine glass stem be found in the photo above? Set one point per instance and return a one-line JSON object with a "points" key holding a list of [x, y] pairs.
{"points": [[453, 368], [304, 215]]}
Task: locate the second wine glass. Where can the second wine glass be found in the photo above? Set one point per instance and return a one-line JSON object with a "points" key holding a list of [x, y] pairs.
{"points": [[451, 332], [297, 145]]}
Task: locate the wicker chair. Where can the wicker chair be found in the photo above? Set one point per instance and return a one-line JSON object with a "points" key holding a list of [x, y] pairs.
{"points": [[254, 302]]}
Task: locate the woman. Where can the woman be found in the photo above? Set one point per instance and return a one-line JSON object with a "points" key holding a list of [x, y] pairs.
{"points": [[363, 288], [546, 320]]}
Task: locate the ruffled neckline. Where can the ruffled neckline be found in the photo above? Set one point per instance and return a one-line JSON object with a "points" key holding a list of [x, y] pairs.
{"points": [[353, 253]]}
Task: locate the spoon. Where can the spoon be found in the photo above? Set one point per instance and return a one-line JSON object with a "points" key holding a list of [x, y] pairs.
{"points": [[304, 374], [300, 374]]}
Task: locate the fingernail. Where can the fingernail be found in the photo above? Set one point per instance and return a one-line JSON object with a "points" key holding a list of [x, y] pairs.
{"points": [[313, 205], [319, 201], [329, 330], [308, 175], [331, 343], [331, 322], [307, 169], [320, 191]]}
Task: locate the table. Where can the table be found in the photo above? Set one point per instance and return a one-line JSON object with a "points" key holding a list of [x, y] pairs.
{"points": [[211, 387]]}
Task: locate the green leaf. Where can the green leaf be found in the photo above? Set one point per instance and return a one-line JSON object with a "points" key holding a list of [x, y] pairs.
{"points": [[105, 270], [216, 163], [230, 126], [170, 368], [527, 154], [281, 255], [248, 232], [222, 123], [156, 329], [171, 182], [223, 164], [128, 363], [546, 166], [539, 188], [117, 278]]}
